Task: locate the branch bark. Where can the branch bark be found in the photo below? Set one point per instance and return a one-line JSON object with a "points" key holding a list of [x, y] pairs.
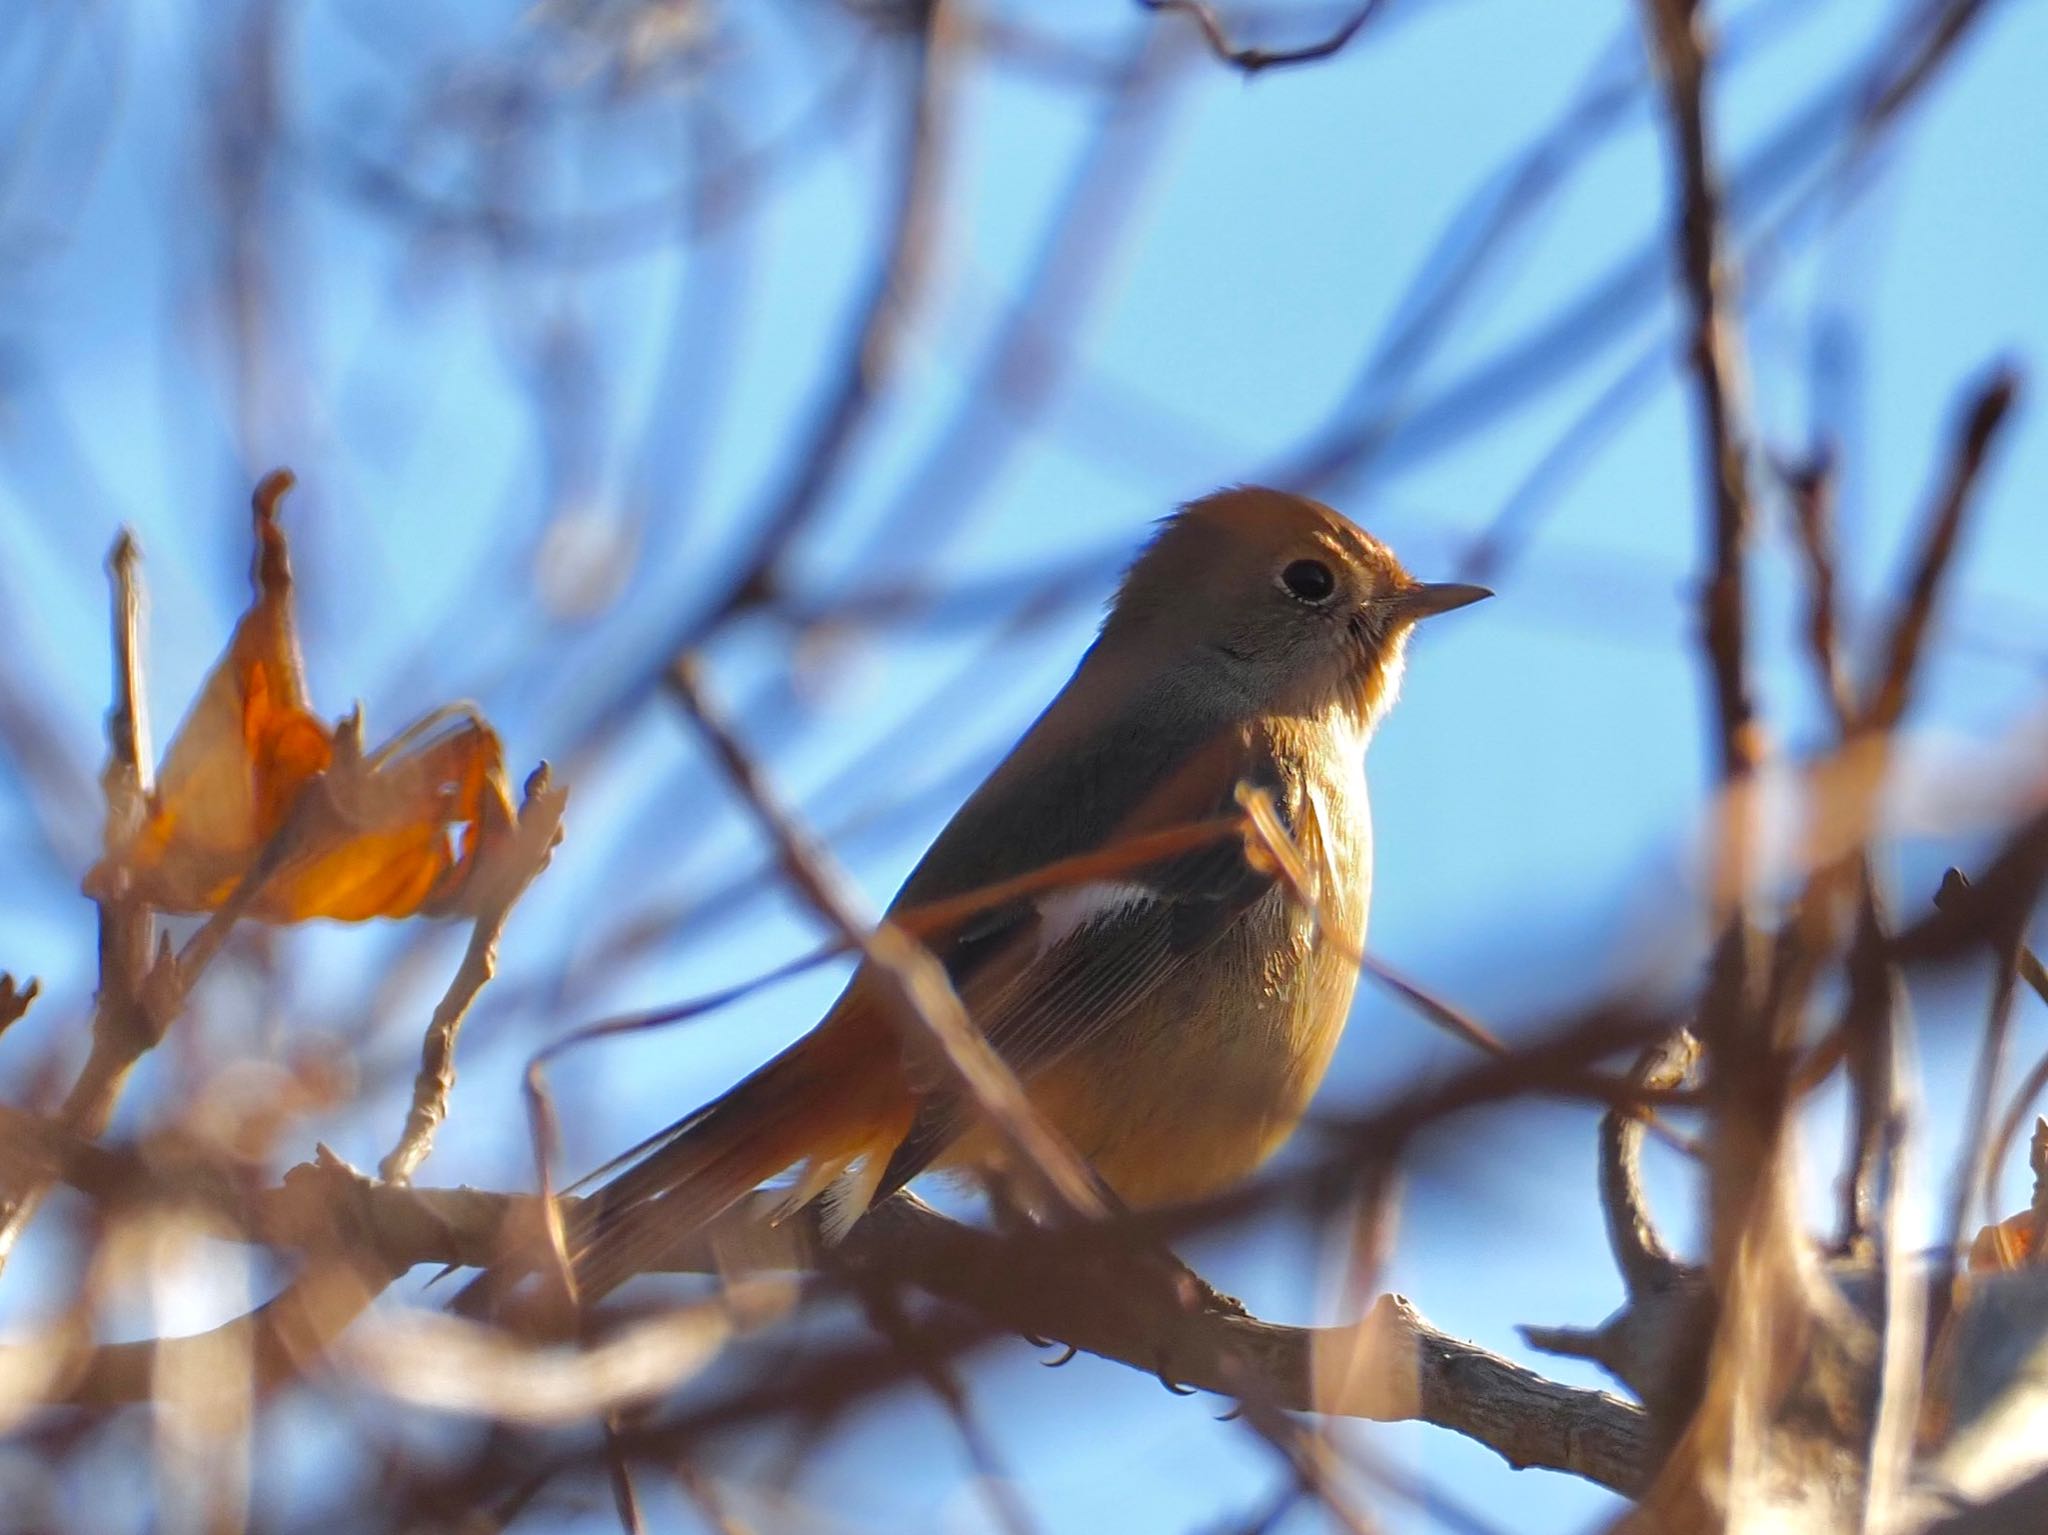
{"points": [[519, 864], [1251, 60], [124, 1027], [1392, 1365]]}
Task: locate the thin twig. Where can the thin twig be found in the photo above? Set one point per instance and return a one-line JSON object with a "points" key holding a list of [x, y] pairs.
{"points": [[1270, 835], [2035, 1082], [122, 1028], [1975, 1168], [884, 1307], [16, 999], [1714, 353], [920, 997], [862, 372], [1867, 1036], [1990, 403], [515, 866], [1877, 1027], [2037, 1162], [1811, 487], [1250, 59], [931, 919]]}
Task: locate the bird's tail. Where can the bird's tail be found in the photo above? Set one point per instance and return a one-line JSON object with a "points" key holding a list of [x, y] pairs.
{"points": [[805, 1106]]}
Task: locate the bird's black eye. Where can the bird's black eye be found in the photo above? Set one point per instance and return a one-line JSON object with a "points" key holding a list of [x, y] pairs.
{"points": [[1310, 580]]}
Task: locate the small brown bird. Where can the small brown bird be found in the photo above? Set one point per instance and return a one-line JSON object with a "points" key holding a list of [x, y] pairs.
{"points": [[1171, 1022]]}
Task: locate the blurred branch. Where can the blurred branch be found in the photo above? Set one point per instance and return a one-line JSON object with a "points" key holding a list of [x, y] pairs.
{"points": [[16, 999], [869, 360], [1269, 832], [1713, 350], [1975, 1168], [321, 1207], [1027, 1282], [123, 1029], [1990, 403], [1761, 1337], [1251, 60], [919, 993], [2035, 974], [1811, 487]]}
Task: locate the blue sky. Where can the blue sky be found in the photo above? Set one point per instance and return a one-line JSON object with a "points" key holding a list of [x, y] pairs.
{"points": [[1537, 791]]}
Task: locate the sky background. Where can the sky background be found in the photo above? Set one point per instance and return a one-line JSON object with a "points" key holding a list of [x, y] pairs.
{"points": [[537, 400]]}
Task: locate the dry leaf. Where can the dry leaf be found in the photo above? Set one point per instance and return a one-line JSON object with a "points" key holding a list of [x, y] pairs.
{"points": [[253, 777], [2007, 1245], [2011, 1243]]}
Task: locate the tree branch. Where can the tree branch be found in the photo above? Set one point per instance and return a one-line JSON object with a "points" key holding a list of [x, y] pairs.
{"points": [[122, 1027], [1392, 1365], [1251, 60], [518, 864]]}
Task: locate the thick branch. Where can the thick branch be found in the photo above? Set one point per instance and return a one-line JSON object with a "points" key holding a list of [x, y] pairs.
{"points": [[1391, 1366], [1646, 1264]]}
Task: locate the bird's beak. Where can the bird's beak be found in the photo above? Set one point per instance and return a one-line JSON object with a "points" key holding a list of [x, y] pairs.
{"points": [[1428, 598]]}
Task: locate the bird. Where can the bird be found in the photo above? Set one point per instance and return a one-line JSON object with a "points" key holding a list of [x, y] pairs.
{"points": [[1172, 1020]]}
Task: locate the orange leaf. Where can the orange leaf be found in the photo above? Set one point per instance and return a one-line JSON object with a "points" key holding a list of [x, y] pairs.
{"points": [[2007, 1245], [253, 777]]}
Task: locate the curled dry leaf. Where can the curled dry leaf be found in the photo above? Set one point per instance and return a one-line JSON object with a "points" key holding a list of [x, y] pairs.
{"points": [[253, 784]]}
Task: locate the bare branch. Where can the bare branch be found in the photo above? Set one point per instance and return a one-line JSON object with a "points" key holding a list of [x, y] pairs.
{"points": [[2032, 1085], [864, 371], [1714, 352], [1974, 1169], [921, 996], [514, 866], [1812, 489], [16, 999], [1991, 402], [1639, 1252], [1251, 60], [1024, 1282], [122, 1028]]}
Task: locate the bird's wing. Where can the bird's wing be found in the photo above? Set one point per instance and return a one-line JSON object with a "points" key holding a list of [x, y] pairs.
{"points": [[1049, 975]]}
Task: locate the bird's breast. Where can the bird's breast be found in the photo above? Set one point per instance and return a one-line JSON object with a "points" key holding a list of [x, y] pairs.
{"points": [[1212, 1074]]}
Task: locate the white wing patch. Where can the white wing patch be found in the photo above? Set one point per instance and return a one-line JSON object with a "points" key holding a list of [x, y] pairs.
{"points": [[1063, 913]]}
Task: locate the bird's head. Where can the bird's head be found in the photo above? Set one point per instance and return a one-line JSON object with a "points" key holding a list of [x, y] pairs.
{"points": [[1285, 601]]}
